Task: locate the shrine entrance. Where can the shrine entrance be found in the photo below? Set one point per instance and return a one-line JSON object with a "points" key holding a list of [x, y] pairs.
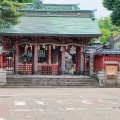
{"points": [[45, 55]]}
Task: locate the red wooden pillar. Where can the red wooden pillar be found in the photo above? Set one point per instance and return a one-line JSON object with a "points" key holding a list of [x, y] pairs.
{"points": [[49, 55], [1, 57], [0, 61], [25, 50], [59, 61], [78, 51], [85, 63], [35, 68], [103, 63], [63, 60], [16, 57], [68, 50]]}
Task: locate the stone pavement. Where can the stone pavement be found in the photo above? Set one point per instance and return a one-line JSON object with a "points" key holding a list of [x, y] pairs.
{"points": [[59, 103]]}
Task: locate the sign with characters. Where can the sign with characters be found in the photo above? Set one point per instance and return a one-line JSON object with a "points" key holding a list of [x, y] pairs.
{"points": [[111, 68]]}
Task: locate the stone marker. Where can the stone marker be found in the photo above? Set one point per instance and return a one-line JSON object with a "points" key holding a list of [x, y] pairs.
{"points": [[2, 77]]}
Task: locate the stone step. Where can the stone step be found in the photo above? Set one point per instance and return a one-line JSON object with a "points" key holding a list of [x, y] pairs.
{"points": [[26, 83], [82, 81], [50, 81], [54, 83], [52, 86]]}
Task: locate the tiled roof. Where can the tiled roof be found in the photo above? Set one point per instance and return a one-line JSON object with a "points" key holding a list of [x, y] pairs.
{"points": [[107, 51], [55, 25]]}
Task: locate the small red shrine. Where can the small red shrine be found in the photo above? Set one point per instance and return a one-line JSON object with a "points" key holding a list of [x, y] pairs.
{"points": [[107, 63]]}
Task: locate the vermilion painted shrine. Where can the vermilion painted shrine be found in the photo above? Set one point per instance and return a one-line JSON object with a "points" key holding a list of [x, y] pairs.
{"points": [[46, 32]]}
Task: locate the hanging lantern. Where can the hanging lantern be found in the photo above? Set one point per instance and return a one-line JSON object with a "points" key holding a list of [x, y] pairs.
{"points": [[46, 48], [66, 47], [72, 47], [26, 46], [38, 47], [31, 46], [53, 46], [61, 49]]}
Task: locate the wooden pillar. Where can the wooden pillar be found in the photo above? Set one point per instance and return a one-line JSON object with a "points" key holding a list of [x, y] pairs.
{"points": [[16, 57], [13, 52], [68, 50], [25, 49], [1, 57], [92, 64], [49, 55], [35, 68], [82, 61], [78, 51], [59, 61], [1, 61], [63, 60]]}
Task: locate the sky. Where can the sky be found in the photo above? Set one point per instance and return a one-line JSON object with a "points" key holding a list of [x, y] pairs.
{"points": [[85, 5]]}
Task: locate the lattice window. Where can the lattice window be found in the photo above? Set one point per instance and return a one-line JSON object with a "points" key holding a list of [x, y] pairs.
{"points": [[25, 69], [47, 69]]}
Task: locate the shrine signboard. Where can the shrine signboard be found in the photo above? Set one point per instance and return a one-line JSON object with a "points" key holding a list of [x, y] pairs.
{"points": [[111, 68]]}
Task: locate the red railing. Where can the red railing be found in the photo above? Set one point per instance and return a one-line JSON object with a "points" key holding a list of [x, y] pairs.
{"points": [[7, 63], [45, 69], [24, 69]]}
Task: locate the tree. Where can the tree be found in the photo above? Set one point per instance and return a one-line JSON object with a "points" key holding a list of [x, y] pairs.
{"points": [[28, 1], [25, 1], [9, 15], [114, 6], [106, 28], [105, 35], [106, 23]]}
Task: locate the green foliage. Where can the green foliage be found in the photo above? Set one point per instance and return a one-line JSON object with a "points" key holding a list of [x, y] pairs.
{"points": [[24, 1], [105, 35], [109, 4], [114, 6], [9, 15], [105, 23], [107, 27], [92, 41], [28, 1]]}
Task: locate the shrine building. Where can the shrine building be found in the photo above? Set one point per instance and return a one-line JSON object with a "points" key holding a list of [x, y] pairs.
{"points": [[46, 34]]}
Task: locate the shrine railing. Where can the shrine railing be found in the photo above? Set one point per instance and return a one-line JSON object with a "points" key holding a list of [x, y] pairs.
{"points": [[24, 69], [45, 69], [8, 63]]}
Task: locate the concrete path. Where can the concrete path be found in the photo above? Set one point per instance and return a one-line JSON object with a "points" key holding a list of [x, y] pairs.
{"points": [[59, 103]]}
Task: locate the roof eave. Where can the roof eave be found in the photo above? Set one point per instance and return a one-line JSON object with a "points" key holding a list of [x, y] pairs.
{"points": [[39, 34]]}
